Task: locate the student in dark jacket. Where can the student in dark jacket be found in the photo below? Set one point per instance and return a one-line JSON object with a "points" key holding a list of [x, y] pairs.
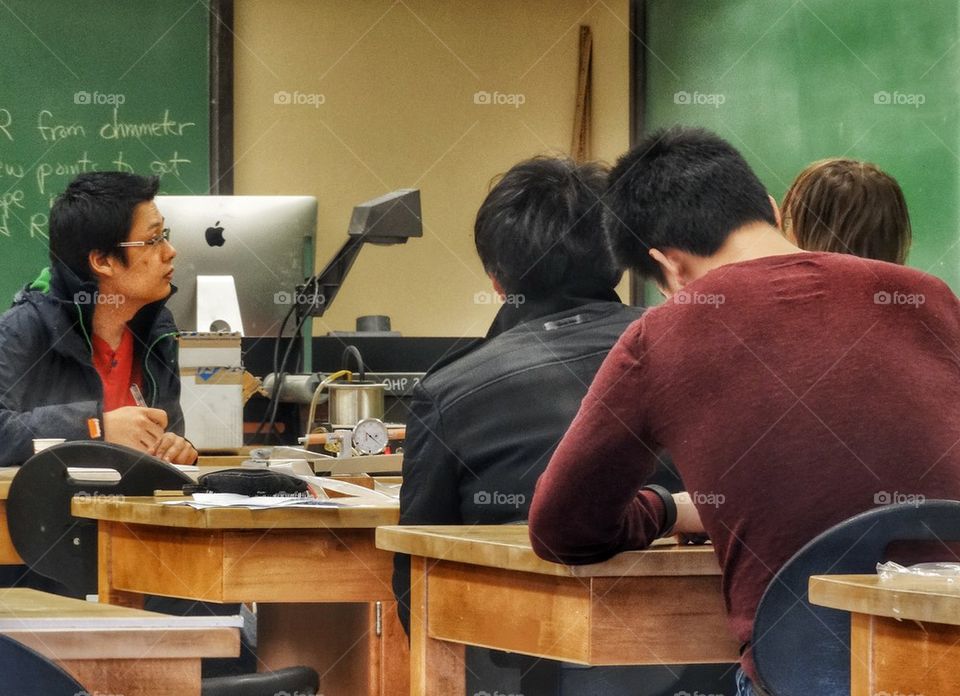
{"points": [[485, 421], [74, 342]]}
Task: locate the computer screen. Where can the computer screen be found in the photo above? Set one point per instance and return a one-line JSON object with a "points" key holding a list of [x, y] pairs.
{"points": [[264, 242]]}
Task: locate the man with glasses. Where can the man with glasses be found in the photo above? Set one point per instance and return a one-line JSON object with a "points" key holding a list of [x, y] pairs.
{"points": [[83, 341]]}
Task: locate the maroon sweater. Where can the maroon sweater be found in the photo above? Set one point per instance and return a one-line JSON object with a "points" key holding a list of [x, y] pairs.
{"points": [[792, 392]]}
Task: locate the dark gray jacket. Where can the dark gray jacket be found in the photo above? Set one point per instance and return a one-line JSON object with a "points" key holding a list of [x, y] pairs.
{"points": [[48, 384], [484, 422]]}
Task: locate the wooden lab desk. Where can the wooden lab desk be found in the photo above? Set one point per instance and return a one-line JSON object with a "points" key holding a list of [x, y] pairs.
{"points": [[114, 650], [484, 586], [8, 554], [901, 641], [300, 565], [352, 466]]}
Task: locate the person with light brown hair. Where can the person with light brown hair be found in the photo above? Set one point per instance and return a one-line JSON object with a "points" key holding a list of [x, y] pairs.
{"points": [[850, 207]]}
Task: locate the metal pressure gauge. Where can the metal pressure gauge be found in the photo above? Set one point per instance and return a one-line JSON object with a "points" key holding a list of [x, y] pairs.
{"points": [[370, 436]]}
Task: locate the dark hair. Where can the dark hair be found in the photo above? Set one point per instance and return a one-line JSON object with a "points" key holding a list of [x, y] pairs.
{"points": [[848, 206], [540, 229], [95, 213], [680, 188]]}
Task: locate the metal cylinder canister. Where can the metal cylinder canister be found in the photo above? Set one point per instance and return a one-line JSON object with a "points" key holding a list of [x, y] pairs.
{"points": [[296, 389], [351, 402]]}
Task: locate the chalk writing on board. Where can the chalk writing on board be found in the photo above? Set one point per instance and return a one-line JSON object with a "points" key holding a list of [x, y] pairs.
{"points": [[47, 169], [52, 132], [9, 202], [47, 176], [74, 146], [117, 129], [6, 118], [11, 169]]}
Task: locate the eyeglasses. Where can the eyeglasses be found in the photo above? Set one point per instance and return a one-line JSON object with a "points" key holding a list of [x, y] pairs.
{"points": [[163, 236]]}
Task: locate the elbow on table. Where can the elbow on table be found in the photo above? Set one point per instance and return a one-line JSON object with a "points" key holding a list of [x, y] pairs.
{"points": [[547, 535], [557, 548], [554, 541]]}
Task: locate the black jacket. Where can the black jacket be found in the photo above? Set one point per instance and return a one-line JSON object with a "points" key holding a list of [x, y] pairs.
{"points": [[48, 384], [484, 423]]}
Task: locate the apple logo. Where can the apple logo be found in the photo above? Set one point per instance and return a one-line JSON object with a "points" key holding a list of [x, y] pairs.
{"points": [[214, 235]]}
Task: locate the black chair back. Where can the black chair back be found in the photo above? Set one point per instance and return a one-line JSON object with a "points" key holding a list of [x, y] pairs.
{"points": [[25, 671], [800, 648], [51, 541]]}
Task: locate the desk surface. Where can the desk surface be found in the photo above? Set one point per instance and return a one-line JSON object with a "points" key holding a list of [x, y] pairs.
{"points": [[31, 610], [6, 476], [508, 547], [115, 650], [71, 629], [865, 594], [149, 510]]}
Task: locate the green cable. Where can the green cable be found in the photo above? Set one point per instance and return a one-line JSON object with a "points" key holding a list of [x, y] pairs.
{"points": [[146, 368], [84, 328]]}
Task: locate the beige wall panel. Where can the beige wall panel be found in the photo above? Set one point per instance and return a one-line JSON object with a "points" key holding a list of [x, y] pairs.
{"points": [[398, 81]]}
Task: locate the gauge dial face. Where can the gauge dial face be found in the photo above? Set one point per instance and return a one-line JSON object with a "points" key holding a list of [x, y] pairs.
{"points": [[370, 436]]}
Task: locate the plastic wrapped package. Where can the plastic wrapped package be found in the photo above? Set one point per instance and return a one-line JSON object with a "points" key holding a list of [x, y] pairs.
{"points": [[939, 577]]}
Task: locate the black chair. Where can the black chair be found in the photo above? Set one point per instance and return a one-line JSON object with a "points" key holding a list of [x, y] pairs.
{"points": [[57, 545], [25, 671], [50, 540], [800, 648]]}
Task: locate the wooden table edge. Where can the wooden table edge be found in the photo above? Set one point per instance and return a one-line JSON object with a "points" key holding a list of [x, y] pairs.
{"points": [[700, 560], [131, 510], [836, 592]]}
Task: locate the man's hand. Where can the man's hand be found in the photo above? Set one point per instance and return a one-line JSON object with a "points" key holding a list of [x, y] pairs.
{"points": [[134, 426], [174, 449], [688, 519]]}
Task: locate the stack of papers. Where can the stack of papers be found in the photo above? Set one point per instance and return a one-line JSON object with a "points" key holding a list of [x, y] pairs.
{"points": [[221, 500], [354, 496]]}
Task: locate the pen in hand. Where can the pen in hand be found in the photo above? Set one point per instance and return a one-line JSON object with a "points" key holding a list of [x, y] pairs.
{"points": [[140, 401], [138, 396]]}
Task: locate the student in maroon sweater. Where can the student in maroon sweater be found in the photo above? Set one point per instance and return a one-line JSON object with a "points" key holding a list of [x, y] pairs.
{"points": [[793, 389]]}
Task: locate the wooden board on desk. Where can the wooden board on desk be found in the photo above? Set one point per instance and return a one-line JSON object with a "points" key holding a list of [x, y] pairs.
{"points": [[366, 464], [150, 511], [508, 546], [867, 594], [148, 654]]}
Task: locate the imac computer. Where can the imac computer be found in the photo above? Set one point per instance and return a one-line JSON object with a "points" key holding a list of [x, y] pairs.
{"points": [[265, 243]]}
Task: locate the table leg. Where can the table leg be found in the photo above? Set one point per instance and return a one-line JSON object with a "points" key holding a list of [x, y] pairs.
{"points": [[902, 657], [392, 661], [436, 667], [340, 641]]}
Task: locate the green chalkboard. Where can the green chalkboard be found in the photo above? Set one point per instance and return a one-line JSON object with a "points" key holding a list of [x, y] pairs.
{"points": [[95, 84], [791, 82]]}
